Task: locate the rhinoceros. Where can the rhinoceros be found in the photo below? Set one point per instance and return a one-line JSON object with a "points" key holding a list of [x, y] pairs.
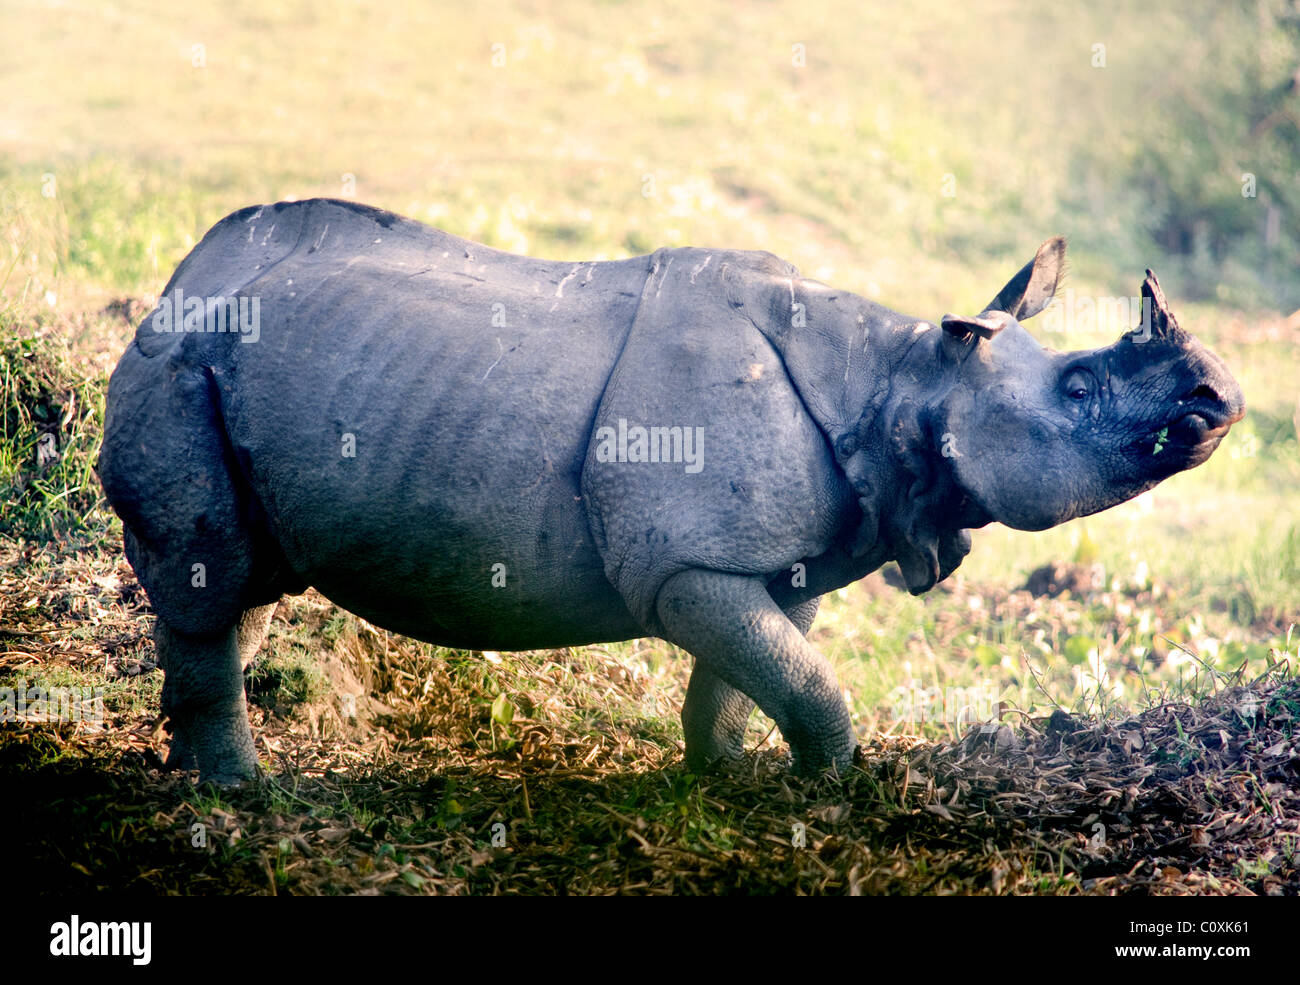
{"points": [[490, 451]]}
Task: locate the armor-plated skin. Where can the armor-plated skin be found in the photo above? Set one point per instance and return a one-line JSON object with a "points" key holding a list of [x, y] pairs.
{"points": [[443, 439]]}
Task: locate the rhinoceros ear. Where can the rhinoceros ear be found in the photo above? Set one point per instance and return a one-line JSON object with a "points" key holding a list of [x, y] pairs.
{"points": [[1031, 290], [985, 326]]}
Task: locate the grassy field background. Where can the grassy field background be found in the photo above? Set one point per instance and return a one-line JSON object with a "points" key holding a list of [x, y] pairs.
{"points": [[914, 153]]}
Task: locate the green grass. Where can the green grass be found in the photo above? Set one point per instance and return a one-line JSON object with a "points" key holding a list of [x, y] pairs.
{"points": [[53, 415], [285, 677]]}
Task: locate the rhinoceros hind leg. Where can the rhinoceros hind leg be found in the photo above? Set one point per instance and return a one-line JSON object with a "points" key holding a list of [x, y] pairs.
{"points": [[203, 697], [250, 635], [731, 626], [714, 714]]}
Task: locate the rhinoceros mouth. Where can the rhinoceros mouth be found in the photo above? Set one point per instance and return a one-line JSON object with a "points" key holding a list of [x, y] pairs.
{"points": [[1192, 436], [1196, 428], [1203, 416]]}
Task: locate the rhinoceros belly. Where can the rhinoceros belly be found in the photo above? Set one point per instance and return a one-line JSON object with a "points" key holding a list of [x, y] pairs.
{"points": [[415, 436]]}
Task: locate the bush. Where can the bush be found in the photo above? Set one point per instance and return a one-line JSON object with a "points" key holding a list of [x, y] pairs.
{"points": [[50, 429]]}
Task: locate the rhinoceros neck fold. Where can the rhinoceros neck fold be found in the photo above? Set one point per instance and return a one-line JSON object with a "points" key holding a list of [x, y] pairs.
{"points": [[874, 380]]}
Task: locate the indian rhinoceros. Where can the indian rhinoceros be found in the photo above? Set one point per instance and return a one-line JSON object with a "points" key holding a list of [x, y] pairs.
{"points": [[484, 450]]}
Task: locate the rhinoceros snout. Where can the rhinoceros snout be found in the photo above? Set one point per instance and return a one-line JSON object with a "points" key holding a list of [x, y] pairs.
{"points": [[1221, 404]]}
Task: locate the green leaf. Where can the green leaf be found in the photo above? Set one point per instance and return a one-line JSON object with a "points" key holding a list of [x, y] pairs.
{"points": [[503, 712], [1077, 648], [1160, 441]]}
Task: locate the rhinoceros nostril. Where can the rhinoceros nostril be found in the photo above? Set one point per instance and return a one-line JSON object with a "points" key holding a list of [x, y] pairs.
{"points": [[1203, 392]]}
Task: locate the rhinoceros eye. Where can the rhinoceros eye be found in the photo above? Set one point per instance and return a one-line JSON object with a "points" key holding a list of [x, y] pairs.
{"points": [[1079, 385]]}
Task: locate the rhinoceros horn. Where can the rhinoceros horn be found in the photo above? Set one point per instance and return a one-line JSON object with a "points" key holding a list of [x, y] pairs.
{"points": [[1158, 322]]}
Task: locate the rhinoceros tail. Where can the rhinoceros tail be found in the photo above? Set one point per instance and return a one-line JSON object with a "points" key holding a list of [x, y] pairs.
{"points": [[193, 530]]}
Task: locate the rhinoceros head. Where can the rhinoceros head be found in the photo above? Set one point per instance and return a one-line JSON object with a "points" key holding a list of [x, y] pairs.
{"points": [[1037, 437]]}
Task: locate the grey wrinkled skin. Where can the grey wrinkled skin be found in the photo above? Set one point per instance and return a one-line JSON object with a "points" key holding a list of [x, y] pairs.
{"points": [[415, 432]]}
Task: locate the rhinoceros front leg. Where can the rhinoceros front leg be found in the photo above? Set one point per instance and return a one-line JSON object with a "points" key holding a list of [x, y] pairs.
{"points": [[741, 639], [252, 630], [203, 696], [714, 714]]}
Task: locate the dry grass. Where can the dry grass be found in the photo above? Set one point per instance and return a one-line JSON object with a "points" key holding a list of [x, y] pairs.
{"points": [[559, 772]]}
